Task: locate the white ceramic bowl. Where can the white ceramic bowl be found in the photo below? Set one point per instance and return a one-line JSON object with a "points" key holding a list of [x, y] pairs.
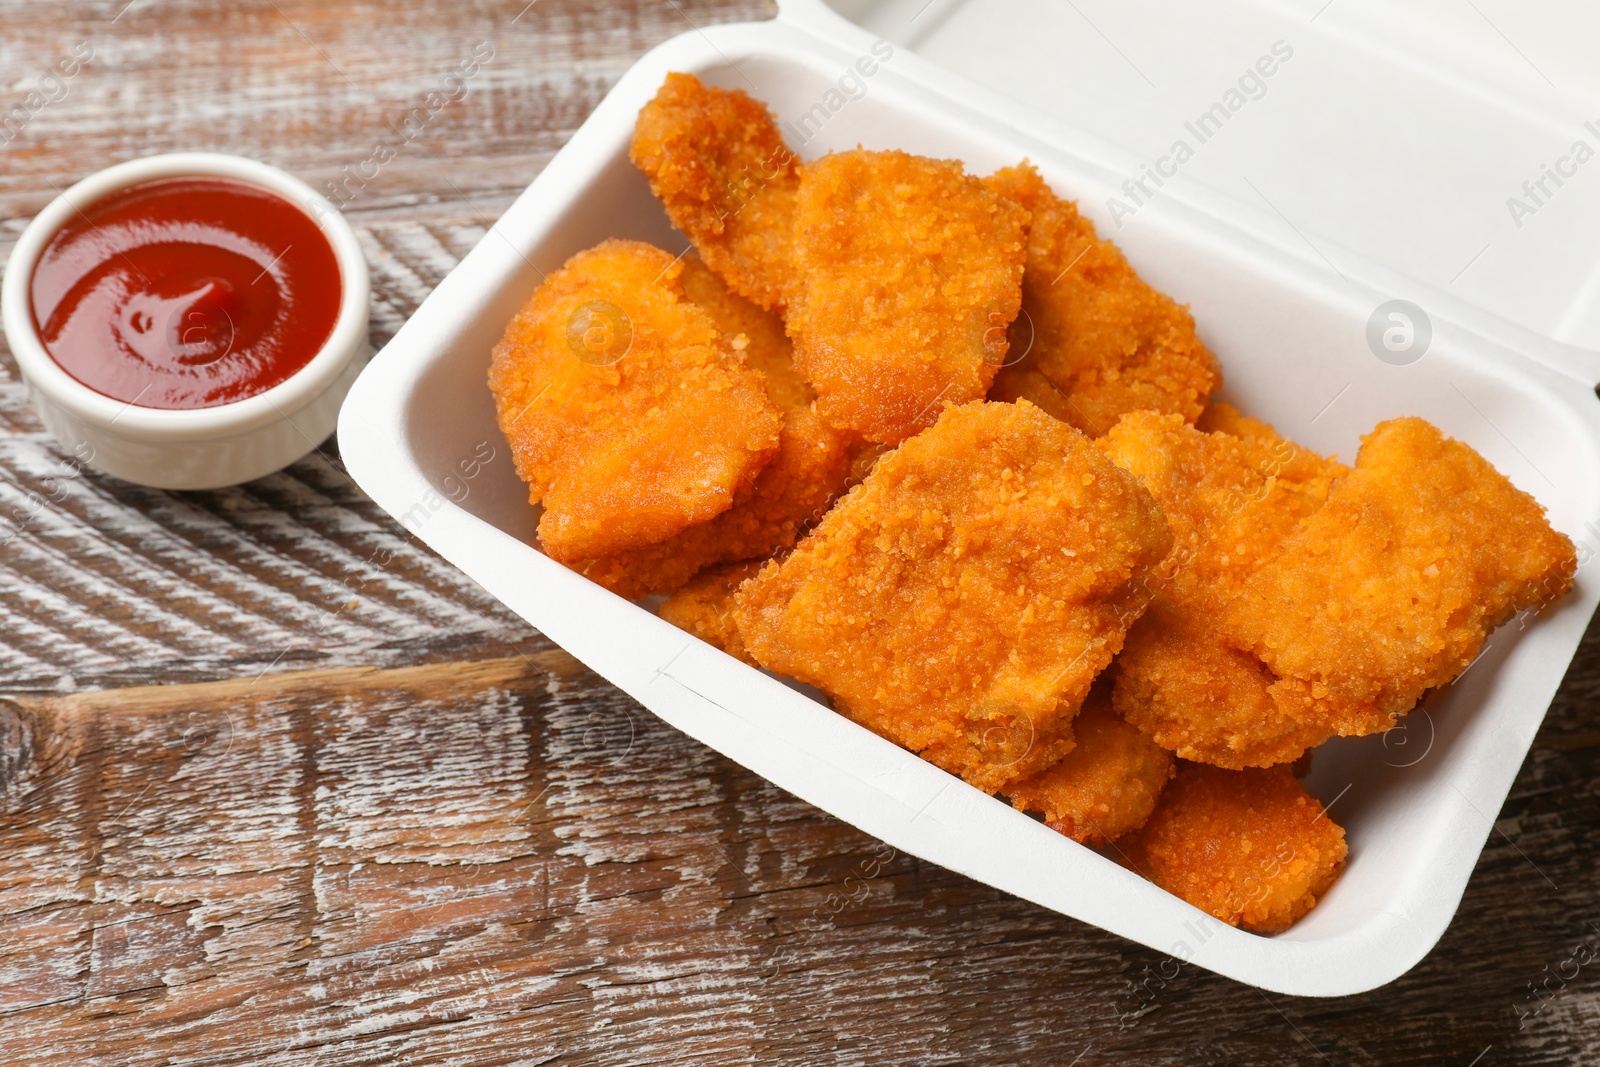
{"points": [[198, 448], [419, 435]]}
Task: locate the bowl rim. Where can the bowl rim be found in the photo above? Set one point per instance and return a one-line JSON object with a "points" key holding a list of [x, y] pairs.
{"points": [[129, 420]]}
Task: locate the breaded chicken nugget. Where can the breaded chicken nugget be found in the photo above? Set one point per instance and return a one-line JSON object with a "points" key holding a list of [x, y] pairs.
{"points": [[1231, 501], [809, 470], [908, 272], [1106, 786], [1192, 693], [627, 415], [1393, 586], [704, 607], [1103, 342], [961, 599], [1249, 847], [715, 159]]}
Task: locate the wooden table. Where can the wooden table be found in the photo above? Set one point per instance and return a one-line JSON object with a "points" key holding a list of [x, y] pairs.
{"points": [[278, 786]]}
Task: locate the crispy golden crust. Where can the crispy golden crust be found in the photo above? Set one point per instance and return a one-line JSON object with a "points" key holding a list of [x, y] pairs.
{"points": [[765, 345], [1231, 501], [715, 159], [1249, 847], [1392, 587], [704, 607], [1103, 342], [812, 465], [908, 272], [1105, 787], [809, 470], [961, 599], [627, 415], [1182, 684], [1022, 380], [1222, 417]]}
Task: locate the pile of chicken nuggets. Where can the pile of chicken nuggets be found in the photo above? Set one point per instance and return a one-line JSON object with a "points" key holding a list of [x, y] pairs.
{"points": [[925, 441]]}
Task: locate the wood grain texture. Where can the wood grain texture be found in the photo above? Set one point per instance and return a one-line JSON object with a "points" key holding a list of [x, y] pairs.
{"points": [[277, 786], [504, 861]]}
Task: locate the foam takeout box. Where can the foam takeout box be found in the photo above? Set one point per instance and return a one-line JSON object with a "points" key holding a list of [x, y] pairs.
{"points": [[1291, 330]]}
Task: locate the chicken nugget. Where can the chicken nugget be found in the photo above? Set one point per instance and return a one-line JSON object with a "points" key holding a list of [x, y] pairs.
{"points": [[1106, 786], [1392, 587], [1231, 501], [626, 413], [716, 161], [962, 598], [1103, 342], [704, 607], [907, 273], [1182, 684], [1248, 847], [809, 470]]}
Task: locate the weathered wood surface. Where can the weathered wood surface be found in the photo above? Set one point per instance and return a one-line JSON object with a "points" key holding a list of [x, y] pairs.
{"points": [[277, 786]]}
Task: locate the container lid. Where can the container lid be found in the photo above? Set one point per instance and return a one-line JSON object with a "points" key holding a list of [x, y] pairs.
{"points": [[1457, 144]]}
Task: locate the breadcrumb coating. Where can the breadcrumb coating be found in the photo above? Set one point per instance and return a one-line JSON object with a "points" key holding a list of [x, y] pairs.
{"points": [[908, 273], [1231, 500], [1222, 417], [962, 598], [809, 470], [1182, 684], [627, 415], [1392, 587], [1248, 847], [716, 161], [1106, 786], [1103, 342], [766, 347], [704, 607]]}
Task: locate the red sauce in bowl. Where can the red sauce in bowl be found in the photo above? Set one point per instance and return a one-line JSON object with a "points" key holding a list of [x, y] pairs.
{"points": [[186, 293]]}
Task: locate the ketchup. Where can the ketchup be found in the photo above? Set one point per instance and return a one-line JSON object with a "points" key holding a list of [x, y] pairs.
{"points": [[186, 293]]}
